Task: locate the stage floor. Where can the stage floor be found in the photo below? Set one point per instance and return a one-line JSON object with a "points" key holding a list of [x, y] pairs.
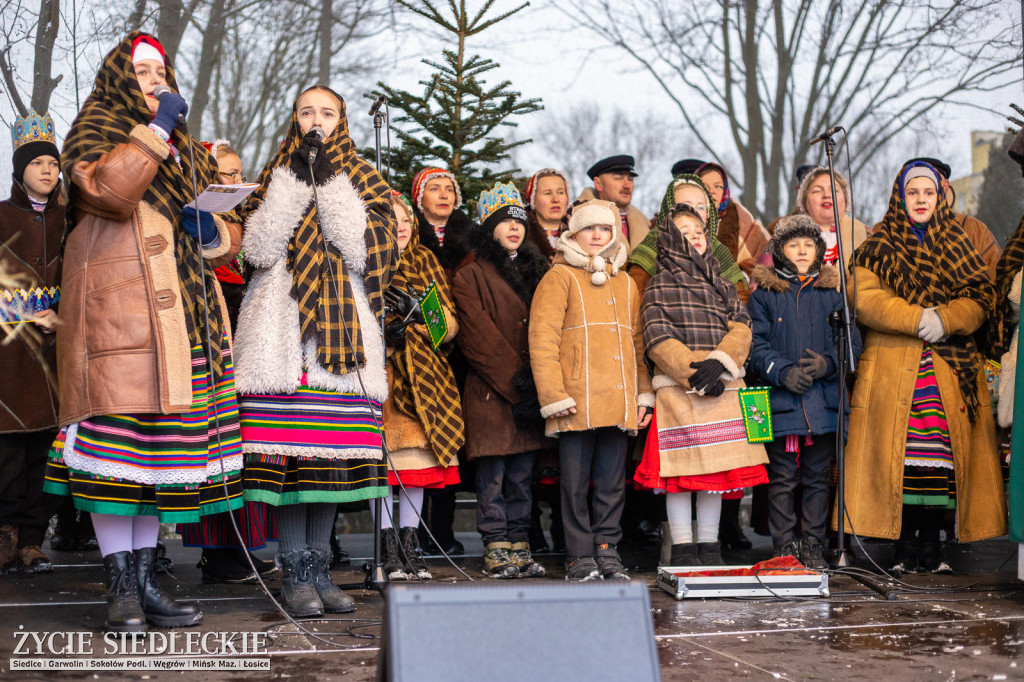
{"points": [[966, 626]]}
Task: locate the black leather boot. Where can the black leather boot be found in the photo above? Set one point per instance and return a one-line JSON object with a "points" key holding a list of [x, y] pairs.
{"points": [[331, 596], [710, 554], [160, 608], [298, 594], [124, 611], [684, 555]]}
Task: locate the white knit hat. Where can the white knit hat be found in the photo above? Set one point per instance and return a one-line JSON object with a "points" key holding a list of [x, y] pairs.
{"points": [[594, 212]]}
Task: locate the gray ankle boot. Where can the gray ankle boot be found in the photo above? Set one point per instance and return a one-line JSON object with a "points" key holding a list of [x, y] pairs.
{"points": [[298, 594], [331, 596]]}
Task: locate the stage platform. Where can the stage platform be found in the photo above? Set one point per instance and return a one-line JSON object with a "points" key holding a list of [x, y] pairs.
{"points": [[969, 626]]}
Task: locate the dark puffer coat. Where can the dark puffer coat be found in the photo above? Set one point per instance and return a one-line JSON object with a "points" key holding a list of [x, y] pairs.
{"points": [[789, 317]]}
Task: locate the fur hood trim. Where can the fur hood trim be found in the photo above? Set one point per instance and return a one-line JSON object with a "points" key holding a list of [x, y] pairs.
{"points": [[523, 273], [610, 260], [828, 278]]}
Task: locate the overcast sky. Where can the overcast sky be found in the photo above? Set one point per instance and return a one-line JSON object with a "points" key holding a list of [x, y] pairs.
{"points": [[546, 57]]}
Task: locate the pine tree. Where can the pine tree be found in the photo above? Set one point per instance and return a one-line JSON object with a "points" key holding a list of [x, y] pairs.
{"points": [[1001, 196], [454, 122]]}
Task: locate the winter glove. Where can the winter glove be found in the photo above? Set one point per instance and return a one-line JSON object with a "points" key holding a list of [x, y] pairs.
{"points": [[930, 328], [716, 389], [394, 334], [813, 364], [404, 304], [199, 224], [797, 380], [708, 372], [299, 162], [171, 105]]}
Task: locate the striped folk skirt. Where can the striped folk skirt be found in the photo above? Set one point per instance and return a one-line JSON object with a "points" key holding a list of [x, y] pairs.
{"points": [[172, 466], [928, 475], [312, 445], [255, 522]]}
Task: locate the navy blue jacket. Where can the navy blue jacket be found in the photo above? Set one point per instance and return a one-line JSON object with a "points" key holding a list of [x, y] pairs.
{"points": [[789, 317]]}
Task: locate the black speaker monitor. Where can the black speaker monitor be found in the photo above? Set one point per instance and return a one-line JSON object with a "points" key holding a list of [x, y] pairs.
{"points": [[519, 631]]}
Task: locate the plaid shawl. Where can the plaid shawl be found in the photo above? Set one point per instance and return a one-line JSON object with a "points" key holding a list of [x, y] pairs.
{"points": [[423, 383], [646, 252], [942, 269], [1010, 263], [321, 313], [688, 299], [115, 106]]}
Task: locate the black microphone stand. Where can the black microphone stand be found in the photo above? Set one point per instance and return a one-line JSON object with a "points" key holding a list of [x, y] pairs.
{"points": [[841, 321], [375, 579]]}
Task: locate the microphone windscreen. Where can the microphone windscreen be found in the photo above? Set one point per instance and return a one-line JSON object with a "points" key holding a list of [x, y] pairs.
{"points": [[319, 132], [161, 90]]}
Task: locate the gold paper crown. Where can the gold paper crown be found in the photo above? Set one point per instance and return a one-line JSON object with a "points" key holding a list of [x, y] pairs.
{"points": [[32, 128], [502, 194]]}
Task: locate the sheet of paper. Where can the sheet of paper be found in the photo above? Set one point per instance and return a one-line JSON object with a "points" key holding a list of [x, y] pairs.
{"points": [[223, 198]]}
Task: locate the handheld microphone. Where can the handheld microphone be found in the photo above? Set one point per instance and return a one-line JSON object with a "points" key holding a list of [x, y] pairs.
{"points": [[161, 90], [319, 132], [376, 105], [824, 136]]}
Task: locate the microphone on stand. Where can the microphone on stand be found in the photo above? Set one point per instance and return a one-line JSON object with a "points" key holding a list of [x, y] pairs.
{"points": [[319, 132], [376, 105], [161, 90], [824, 136]]}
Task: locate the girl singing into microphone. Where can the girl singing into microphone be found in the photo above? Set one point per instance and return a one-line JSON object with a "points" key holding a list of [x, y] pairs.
{"points": [[139, 403], [320, 235]]}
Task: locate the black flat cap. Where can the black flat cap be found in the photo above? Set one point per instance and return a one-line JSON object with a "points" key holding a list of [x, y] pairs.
{"points": [[802, 171], [686, 166], [943, 168], [623, 163]]}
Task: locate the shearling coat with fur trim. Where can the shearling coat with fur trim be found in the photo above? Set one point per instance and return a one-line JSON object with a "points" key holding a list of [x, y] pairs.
{"points": [[492, 301], [122, 346], [788, 318], [586, 344], [269, 352], [880, 410]]}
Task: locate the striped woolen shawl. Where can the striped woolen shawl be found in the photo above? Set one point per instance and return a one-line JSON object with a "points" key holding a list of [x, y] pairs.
{"points": [[116, 106]]}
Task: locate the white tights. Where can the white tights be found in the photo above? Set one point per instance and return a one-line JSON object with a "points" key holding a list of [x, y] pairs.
{"points": [[117, 533], [709, 512], [410, 505]]}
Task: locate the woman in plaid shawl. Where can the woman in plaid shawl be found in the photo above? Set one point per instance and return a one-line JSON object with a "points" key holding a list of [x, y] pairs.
{"points": [[922, 438], [137, 401], [423, 423], [320, 235], [697, 335]]}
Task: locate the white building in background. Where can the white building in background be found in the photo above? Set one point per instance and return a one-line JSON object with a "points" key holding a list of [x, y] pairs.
{"points": [[967, 187]]}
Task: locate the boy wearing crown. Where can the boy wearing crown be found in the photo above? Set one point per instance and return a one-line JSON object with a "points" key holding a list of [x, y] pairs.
{"points": [[504, 432], [31, 226]]}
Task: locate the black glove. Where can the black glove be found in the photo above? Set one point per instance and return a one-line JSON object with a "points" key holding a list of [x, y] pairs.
{"points": [[813, 364], [322, 170], [797, 380], [404, 305], [394, 334], [708, 372], [716, 389]]}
